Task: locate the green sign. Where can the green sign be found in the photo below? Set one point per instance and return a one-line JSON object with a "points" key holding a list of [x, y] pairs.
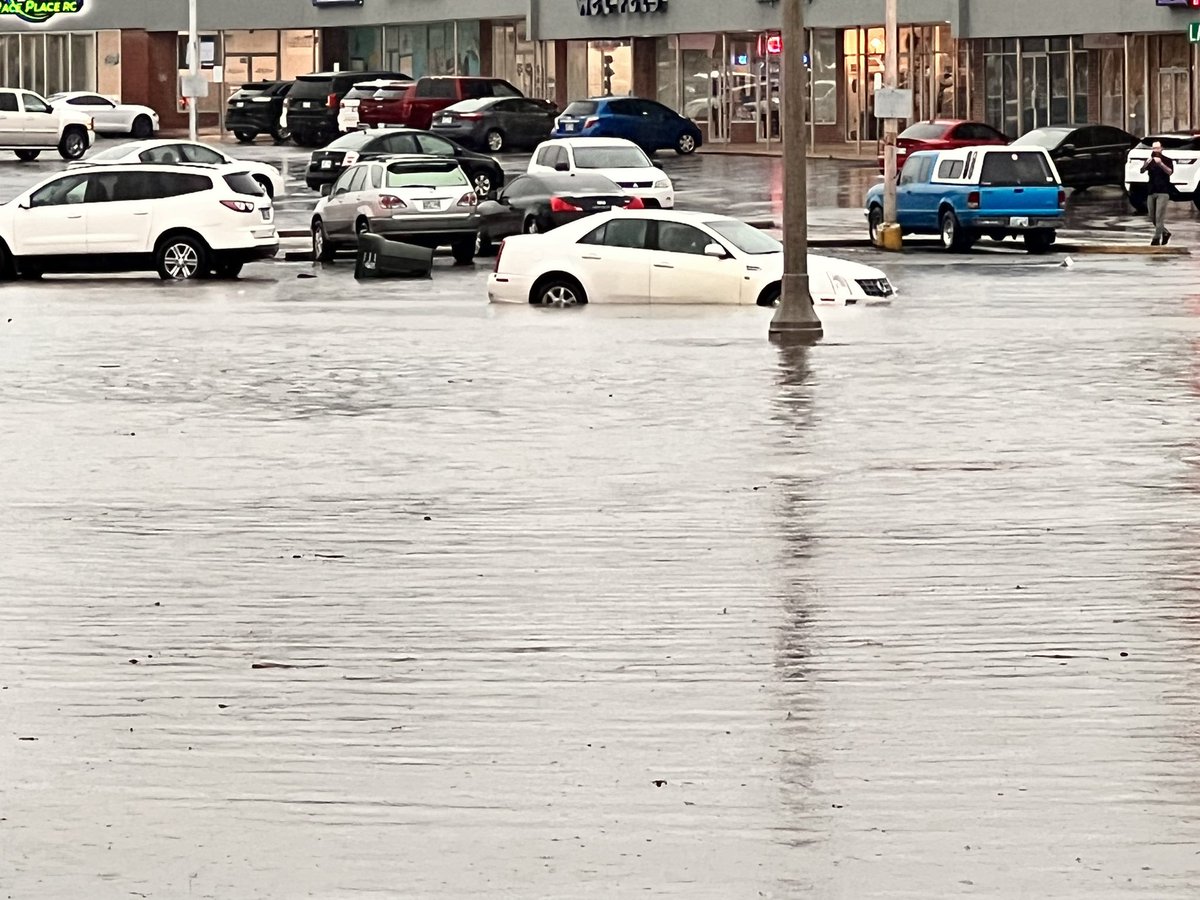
{"points": [[1194, 32], [39, 10]]}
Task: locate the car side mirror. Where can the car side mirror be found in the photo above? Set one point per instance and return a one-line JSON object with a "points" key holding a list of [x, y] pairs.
{"points": [[716, 251], [23, 206], [1068, 149], [656, 163], [562, 167], [326, 190]]}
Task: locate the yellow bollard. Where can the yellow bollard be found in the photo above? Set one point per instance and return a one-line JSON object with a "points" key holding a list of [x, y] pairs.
{"points": [[890, 238]]}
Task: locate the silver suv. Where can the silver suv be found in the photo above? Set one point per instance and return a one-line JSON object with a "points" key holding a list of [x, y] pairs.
{"points": [[417, 199]]}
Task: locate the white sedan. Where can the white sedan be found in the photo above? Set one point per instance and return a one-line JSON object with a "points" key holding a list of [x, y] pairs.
{"points": [[175, 152], [110, 116], [661, 256], [616, 159]]}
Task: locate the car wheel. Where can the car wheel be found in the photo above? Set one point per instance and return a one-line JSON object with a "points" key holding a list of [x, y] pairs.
{"points": [[951, 232], [495, 141], [558, 290], [8, 268], [245, 137], [463, 251], [483, 244], [181, 258], [769, 296], [73, 144], [874, 223], [362, 226], [280, 135], [228, 269], [1039, 241], [322, 250], [530, 225], [482, 184], [1196, 199], [27, 155], [265, 184], [142, 128], [686, 145]]}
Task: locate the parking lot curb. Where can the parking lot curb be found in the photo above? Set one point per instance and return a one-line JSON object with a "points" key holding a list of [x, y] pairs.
{"points": [[1127, 250]]}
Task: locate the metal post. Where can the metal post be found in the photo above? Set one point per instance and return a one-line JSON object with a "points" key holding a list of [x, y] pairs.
{"points": [[193, 65], [795, 317], [891, 37]]}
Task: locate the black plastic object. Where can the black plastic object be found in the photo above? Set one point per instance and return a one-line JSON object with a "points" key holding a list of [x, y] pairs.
{"points": [[380, 258]]}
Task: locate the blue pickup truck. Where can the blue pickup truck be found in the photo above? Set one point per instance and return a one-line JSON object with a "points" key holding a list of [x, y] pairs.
{"points": [[961, 195]]}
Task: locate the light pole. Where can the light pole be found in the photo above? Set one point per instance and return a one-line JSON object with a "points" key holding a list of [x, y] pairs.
{"points": [[889, 234], [795, 317], [193, 68]]}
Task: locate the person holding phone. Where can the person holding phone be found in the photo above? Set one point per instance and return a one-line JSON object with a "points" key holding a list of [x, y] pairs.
{"points": [[1160, 169]]}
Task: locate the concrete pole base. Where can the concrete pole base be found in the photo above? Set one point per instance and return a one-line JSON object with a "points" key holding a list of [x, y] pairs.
{"points": [[795, 316], [891, 238]]}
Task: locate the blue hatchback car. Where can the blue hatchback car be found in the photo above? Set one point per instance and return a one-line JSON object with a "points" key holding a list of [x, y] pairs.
{"points": [[648, 124]]}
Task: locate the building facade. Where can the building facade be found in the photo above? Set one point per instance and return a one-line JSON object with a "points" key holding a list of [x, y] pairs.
{"points": [[1016, 64]]}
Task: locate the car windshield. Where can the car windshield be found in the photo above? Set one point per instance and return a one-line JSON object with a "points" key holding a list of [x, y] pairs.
{"points": [[398, 177], [309, 88], [610, 158], [924, 131], [118, 152], [352, 141], [472, 105], [1025, 168], [1043, 137], [580, 108], [1170, 142], [745, 237], [244, 183]]}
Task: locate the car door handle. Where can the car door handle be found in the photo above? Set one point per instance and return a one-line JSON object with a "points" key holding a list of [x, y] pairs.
{"points": [[145, 213], [78, 216], [663, 266], [593, 257]]}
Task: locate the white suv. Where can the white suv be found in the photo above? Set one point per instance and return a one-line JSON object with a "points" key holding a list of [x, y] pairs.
{"points": [[1183, 149], [29, 125], [183, 221]]}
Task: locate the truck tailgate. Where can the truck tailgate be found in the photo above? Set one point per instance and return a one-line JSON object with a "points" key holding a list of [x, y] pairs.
{"points": [[1019, 201]]}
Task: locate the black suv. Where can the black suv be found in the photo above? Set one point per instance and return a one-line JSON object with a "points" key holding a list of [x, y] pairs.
{"points": [[312, 104], [255, 110], [324, 166]]}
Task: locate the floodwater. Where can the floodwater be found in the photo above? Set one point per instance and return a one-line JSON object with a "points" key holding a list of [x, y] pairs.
{"points": [[315, 590]]}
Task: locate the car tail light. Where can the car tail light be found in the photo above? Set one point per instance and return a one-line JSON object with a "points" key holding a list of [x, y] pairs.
{"points": [[332, 101], [558, 204], [242, 206], [468, 115], [1062, 199], [260, 99], [973, 200], [590, 121], [1185, 161], [635, 203], [350, 157], [468, 199], [499, 253], [390, 201]]}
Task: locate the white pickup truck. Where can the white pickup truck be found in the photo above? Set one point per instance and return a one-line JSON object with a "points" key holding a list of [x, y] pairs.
{"points": [[29, 125]]}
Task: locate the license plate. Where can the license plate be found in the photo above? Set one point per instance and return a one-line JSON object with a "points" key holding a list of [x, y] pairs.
{"points": [[446, 120], [239, 104], [431, 204], [569, 126], [327, 164], [309, 104], [1019, 221]]}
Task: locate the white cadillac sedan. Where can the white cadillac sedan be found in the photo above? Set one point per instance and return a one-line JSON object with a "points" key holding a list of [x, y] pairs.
{"points": [[666, 256], [177, 152], [109, 116]]}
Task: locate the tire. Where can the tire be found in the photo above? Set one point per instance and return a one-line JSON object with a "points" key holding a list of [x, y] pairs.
{"points": [[874, 223], [27, 155], [142, 128], [483, 244], [280, 135], [495, 141], [558, 290], [245, 137], [954, 239], [482, 182], [8, 267], [181, 258], [463, 251], [362, 226], [1039, 241], [686, 145], [322, 250], [265, 184], [770, 295], [530, 226], [228, 269], [73, 144], [1196, 199]]}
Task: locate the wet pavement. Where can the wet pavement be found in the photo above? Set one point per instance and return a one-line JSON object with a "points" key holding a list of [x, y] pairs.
{"points": [[316, 589]]}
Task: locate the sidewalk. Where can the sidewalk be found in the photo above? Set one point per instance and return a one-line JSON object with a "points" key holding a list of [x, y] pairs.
{"points": [[840, 152]]}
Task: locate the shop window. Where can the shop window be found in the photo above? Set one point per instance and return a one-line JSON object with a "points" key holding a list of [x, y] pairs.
{"points": [[823, 72], [666, 64], [610, 68], [83, 62]]}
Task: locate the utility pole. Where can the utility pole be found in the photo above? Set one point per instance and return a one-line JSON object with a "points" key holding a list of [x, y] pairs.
{"points": [[889, 235], [193, 67], [795, 317]]}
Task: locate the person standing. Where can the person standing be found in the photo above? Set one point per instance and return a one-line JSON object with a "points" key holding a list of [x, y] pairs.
{"points": [[1160, 169]]}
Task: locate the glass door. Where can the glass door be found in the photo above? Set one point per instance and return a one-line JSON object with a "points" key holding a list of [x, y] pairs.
{"points": [[1035, 90], [1174, 100]]}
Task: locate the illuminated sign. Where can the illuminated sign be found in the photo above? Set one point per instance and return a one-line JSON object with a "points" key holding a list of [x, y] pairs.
{"points": [[39, 10], [617, 7], [1194, 4]]}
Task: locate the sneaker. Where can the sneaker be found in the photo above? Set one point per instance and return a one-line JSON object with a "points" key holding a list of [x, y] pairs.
{"points": [[1154, 243], [1166, 238]]}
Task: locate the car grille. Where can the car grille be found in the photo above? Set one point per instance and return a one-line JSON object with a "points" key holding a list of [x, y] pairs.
{"points": [[876, 287], [636, 184]]}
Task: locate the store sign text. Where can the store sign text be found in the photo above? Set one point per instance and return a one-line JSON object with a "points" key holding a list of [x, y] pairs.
{"points": [[39, 10], [618, 7]]}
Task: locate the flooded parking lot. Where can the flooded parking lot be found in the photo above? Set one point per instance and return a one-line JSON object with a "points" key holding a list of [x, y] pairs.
{"points": [[333, 590]]}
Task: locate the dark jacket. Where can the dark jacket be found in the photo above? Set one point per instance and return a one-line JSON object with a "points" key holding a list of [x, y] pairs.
{"points": [[1160, 175]]}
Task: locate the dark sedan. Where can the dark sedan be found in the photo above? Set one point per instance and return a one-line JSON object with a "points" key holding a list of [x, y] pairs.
{"points": [[324, 166], [497, 123], [537, 203], [1085, 155]]}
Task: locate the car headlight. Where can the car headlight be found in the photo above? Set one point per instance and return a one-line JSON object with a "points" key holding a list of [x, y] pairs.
{"points": [[1188, 161], [663, 183], [842, 285]]}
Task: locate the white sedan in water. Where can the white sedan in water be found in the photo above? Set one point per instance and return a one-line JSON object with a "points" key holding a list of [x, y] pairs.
{"points": [[109, 116], [167, 152], [666, 256]]}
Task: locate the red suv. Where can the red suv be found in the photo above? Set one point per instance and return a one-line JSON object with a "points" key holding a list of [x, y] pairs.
{"points": [[381, 106], [431, 95], [941, 134]]}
